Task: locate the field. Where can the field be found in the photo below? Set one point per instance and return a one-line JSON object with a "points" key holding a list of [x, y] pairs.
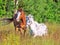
{"points": [[8, 36]]}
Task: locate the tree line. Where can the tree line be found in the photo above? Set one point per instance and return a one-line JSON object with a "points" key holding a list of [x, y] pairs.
{"points": [[42, 10]]}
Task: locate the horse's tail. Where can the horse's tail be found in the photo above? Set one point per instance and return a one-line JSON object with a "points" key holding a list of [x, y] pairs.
{"points": [[6, 21]]}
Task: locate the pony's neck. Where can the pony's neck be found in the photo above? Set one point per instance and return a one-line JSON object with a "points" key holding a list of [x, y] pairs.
{"points": [[32, 21]]}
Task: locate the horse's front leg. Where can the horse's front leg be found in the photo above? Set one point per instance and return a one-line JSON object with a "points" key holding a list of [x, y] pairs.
{"points": [[16, 29], [21, 32]]}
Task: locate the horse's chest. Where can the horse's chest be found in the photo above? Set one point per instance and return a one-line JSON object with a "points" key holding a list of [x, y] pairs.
{"points": [[16, 24]]}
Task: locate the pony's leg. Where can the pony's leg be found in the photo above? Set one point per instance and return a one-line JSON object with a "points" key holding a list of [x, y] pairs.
{"points": [[34, 35]]}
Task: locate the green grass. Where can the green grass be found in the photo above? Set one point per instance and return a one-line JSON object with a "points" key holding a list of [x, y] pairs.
{"points": [[8, 36]]}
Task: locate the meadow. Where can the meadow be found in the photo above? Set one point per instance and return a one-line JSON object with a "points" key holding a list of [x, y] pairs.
{"points": [[8, 36], [42, 10]]}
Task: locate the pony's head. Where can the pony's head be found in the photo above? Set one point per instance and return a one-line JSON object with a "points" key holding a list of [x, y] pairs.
{"points": [[29, 19]]}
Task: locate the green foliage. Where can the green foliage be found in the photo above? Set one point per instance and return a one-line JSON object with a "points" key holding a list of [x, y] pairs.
{"points": [[42, 10], [6, 8]]}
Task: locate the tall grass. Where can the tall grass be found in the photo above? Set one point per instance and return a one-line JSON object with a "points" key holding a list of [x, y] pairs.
{"points": [[8, 36]]}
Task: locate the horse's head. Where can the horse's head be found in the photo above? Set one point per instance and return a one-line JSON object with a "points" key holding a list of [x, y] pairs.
{"points": [[18, 16], [29, 19]]}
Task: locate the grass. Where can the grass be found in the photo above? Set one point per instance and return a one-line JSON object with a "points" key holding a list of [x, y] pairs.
{"points": [[8, 36]]}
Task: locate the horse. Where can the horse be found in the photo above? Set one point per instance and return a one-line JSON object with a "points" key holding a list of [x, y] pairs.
{"points": [[19, 21], [38, 29]]}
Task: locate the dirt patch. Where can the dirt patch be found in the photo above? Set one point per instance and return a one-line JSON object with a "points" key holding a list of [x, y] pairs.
{"points": [[4, 34], [56, 35]]}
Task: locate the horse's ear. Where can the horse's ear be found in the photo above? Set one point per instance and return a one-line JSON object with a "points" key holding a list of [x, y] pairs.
{"points": [[20, 9]]}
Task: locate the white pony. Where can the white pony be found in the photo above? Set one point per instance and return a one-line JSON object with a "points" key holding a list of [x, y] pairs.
{"points": [[37, 29]]}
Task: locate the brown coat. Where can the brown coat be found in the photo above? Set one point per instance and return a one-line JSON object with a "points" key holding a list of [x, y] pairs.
{"points": [[23, 18]]}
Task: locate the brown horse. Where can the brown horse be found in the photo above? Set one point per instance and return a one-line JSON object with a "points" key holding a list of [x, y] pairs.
{"points": [[19, 21]]}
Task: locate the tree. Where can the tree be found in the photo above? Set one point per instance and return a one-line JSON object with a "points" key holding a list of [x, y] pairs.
{"points": [[42, 10]]}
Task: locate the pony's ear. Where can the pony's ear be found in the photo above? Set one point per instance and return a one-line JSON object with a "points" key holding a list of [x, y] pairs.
{"points": [[30, 15]]}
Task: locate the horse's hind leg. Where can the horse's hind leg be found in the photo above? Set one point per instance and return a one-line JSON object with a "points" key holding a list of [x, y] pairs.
{"points": [[21, 32], [24, 31]]}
